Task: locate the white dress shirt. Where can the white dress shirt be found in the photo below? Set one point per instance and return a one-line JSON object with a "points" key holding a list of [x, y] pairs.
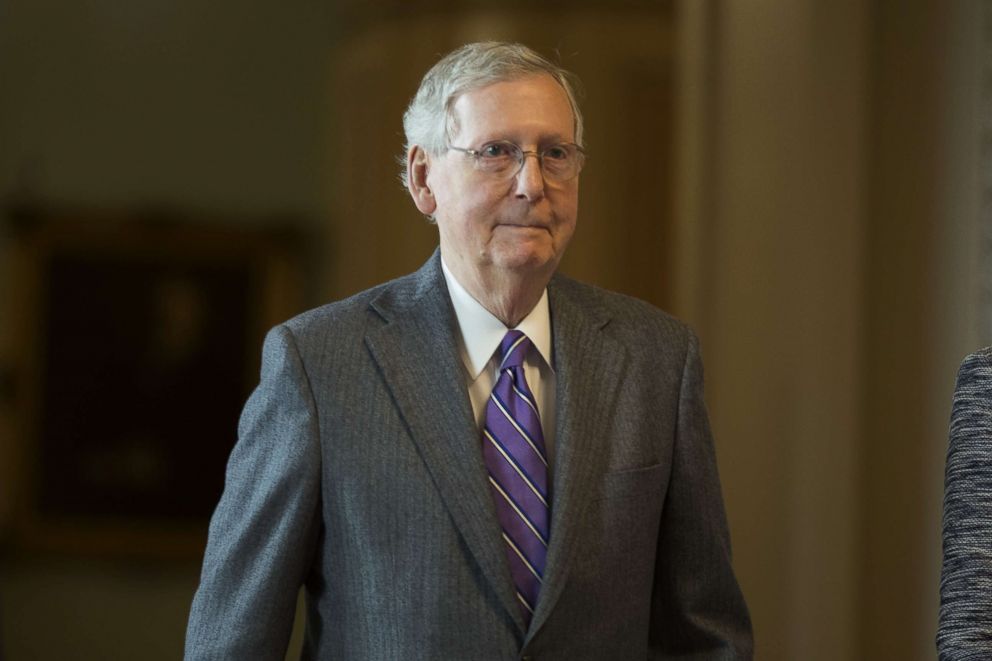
{"points": [[481, 333]]}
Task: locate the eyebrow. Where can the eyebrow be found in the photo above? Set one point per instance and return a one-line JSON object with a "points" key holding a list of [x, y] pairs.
{"points": [[543, 140]]}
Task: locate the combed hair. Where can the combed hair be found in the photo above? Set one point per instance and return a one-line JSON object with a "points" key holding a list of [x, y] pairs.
{"points": [[429, 120]]}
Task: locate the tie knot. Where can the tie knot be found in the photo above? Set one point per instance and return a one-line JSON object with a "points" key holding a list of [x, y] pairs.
{"points": [[512, 349]]}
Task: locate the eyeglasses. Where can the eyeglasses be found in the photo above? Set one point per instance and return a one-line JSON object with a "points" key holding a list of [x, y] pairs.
{"points": [[504, 159]]}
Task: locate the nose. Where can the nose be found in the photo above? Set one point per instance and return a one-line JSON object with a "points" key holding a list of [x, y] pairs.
{"points": [[530, 179]]}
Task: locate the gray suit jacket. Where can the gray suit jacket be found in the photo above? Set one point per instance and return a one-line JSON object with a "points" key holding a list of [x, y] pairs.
{"points": [[965, 627], [358, 473]]}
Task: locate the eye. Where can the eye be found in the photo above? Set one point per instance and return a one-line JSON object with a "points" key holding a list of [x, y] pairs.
{"points": [[557, 153], [498, 150]]}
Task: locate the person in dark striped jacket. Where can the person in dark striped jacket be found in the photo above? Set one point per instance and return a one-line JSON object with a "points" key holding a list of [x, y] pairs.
{"points": [[964, 628]]}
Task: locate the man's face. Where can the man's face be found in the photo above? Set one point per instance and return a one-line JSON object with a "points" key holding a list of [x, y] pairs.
{"points": [[492, 227]]}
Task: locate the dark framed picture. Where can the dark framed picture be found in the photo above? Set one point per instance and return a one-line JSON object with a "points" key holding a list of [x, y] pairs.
{"points": [[142, 341]]}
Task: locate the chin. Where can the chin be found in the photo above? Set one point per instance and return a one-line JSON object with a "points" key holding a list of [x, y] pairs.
{"points": [[523, 261]]}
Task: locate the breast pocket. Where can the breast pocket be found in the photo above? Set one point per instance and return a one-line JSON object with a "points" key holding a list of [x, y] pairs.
{"points": [[620, 536], [647, 482]]}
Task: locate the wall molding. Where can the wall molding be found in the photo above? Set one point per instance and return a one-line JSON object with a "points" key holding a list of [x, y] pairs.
{"points": [[984, 113]]}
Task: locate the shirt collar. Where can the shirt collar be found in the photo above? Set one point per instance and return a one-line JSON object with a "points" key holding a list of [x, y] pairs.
{"points": [[482, 332]]}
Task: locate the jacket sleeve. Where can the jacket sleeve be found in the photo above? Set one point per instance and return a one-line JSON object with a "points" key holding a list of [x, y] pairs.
{"points": [[697, 608], [264, 530], [964, 629]]}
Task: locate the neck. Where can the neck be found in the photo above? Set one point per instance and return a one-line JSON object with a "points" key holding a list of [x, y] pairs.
{"points": [[510, 303], [507, 296]]}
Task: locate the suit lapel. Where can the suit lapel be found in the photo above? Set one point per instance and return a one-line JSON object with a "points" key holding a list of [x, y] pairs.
{"points": [[588, 368], [417, 351]]}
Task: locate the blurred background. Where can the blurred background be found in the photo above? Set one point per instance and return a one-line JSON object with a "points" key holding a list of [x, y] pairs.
{"points": [[807, 182]]}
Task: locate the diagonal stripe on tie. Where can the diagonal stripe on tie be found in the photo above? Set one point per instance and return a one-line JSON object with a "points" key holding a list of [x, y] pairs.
{"points": [[527, 397], [514, 454], [529, 549], [528, 529], [512, 479], [514, 351], [526, 605], [518, 428], [532, 525], [515, 408], [525, 577], [519, 433], [499, 450], [535, 572]]}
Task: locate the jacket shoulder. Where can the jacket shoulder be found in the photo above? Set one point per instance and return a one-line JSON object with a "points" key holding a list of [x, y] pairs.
{"points": [[352, 313], [627, 316]]}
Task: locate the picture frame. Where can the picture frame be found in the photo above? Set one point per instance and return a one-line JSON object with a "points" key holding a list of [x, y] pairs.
{"points": [[140, 337]]}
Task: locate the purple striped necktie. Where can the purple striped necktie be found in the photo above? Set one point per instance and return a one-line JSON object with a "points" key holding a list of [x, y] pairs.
{"points": [[513, 449]]}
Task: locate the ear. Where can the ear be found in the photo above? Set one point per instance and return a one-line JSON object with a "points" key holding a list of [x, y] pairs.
{"points": [[417, 168]]}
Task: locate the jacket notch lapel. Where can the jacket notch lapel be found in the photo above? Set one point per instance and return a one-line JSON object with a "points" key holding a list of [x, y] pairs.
{"points": [[589, 366], [417, 351]]}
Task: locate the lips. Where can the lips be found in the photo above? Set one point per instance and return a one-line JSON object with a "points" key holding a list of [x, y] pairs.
{"points": [[534, 226]]}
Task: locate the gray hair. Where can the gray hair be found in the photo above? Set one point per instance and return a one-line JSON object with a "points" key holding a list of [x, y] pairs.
{"points": [[429, 119]]}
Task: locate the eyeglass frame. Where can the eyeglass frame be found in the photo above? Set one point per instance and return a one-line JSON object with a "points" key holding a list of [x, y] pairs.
{"points": [[524, 153]]}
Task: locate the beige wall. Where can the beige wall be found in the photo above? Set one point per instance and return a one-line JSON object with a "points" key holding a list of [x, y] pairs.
{"points": [[823, 241], [921, 307], [831, 263], [778, 305]]}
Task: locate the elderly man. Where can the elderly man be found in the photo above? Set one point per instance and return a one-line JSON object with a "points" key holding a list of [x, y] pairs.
{"points": [[483, 459]]}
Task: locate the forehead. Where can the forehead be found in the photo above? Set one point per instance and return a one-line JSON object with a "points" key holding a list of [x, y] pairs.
{"points": [[530, 108]]}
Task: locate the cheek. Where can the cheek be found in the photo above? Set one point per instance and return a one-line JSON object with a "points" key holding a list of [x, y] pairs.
{"points": [[459, 227], [466, 199], [567, 209]]}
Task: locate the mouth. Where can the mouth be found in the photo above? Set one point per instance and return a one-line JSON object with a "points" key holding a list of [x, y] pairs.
{"points": [[525, 226]]}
